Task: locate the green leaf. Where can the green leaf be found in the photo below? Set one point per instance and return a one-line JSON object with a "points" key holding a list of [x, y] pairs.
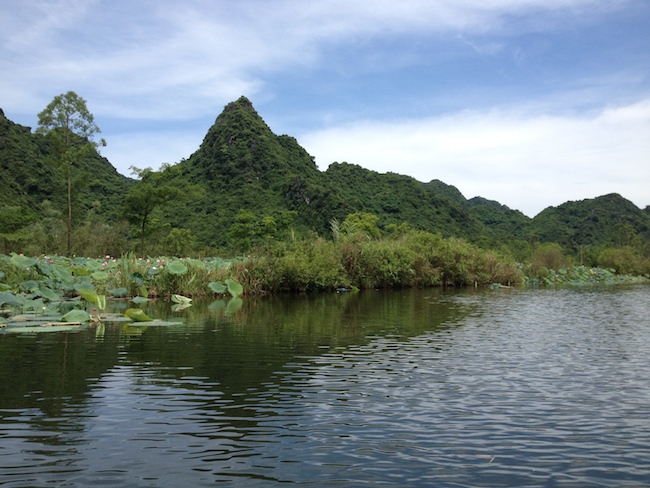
{"points": [[181, 299], [23, 261], [139, 300], [88, 295], [234, 288], [101, 302], [76, 316], [29, 286], [218, 287], [176, 268], [118, 292], [93, 265], [137, 315], [48, 293], [99, 275], [9, 298]]}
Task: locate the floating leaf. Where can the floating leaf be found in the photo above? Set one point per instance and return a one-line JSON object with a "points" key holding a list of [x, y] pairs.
{"points": [[139, 300], [137, 315], [181, 299], [234, 288], [176, 268], [76, 316], [118, 292], [218, 287]]}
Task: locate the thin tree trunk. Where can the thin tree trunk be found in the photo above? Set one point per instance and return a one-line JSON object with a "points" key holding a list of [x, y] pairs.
{"points": [[69, 215]]}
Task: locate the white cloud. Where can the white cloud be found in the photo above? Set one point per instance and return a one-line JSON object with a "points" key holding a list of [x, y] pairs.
{"points": [[154, 60], [520, 159]]}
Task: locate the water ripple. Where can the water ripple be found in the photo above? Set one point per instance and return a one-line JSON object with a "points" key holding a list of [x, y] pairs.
{"points": [[530, 388]]}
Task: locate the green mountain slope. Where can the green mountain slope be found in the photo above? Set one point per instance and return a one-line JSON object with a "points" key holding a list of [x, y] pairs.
{"points": [[244, 166], [29, 176], [241, 165], [605, 220]]}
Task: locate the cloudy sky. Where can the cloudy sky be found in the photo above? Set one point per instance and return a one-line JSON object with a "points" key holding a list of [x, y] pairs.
{"points": [[528, 102]]}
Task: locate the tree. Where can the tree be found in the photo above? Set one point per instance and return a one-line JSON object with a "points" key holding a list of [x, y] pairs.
{"points": [[71, 127], [157, 189], [361, 222]]}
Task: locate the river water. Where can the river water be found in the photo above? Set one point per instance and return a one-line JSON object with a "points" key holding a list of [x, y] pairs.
{"points": [[461, 388]]}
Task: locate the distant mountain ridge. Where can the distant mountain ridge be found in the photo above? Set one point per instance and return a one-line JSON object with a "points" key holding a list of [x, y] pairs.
{"points": [[242, 165]]}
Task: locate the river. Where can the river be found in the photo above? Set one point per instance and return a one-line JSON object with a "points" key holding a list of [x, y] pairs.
{"points": [[444, 388]]}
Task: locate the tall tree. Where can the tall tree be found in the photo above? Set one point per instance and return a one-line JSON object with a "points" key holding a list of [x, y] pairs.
{"points": [[71, 127]]}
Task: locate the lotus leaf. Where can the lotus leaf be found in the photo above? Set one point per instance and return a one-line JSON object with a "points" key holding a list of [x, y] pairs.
{"points": [[99, 275], [234, 288], [218, 287], [29, 286], [118, 292], [88, 295], [137, 277], [176, 268], [76, 316], [48, 293], [9, 298], [137, 315], [23, 261], [181, 299], [139, 300]]}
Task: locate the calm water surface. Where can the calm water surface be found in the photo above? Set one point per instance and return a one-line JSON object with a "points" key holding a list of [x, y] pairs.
{"points": [[409, 388]]}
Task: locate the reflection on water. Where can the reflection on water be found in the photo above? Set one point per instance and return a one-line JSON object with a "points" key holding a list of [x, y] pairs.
{"points": [[409, 388]]}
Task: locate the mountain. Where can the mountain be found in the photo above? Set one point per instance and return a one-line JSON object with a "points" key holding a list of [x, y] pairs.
{"points": [[29, 176], [243, 165], [249, 176], [605, 220]]}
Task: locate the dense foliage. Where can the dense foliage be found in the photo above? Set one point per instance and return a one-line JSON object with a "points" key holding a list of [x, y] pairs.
{"points": [[246, 190]]}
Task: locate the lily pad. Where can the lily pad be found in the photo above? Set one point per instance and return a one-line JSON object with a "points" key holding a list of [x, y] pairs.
{"points": [[218, 287], [176, 268], [181, 299], [234, 288], [118, 292], [76, 316], [137, 315]]}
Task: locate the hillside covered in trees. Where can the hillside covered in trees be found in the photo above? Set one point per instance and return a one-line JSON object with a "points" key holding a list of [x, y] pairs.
{"points": [[245, 186]]}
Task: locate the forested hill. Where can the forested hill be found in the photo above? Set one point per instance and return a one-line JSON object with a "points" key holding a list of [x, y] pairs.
{"points": [[244, 184], [32, 185]]}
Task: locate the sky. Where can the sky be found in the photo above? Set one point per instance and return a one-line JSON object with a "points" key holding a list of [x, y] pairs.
{"points": [[531, 103]]}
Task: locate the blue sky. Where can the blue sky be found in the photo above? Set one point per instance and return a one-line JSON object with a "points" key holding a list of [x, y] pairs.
{"points": [[528, 102]]}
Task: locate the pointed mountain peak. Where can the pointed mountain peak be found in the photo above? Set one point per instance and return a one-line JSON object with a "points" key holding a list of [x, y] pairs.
{"points": [[241, 103]]}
